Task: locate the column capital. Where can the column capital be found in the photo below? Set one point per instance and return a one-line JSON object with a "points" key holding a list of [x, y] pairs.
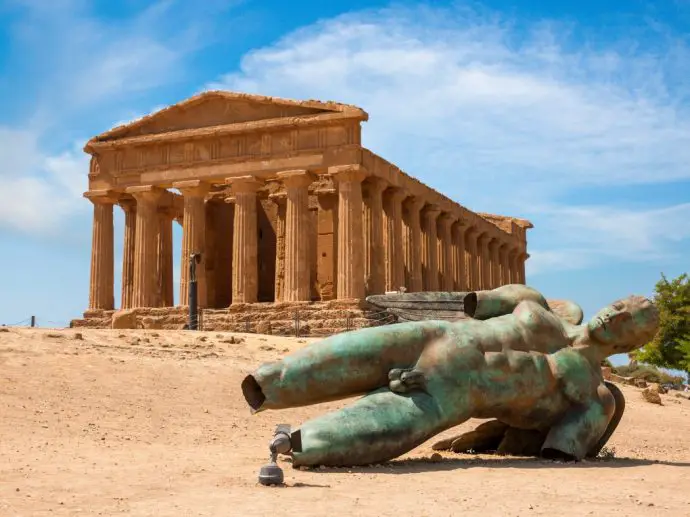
{"points": [[460, 226], [128, 204], [461, 220], [374, 184], [298, 178], [244, 184], [396, 194], [483, 237], [414, 203], [431, 210], [102, 197], [446, 219], [192, 188], [471, 231], [348, 173], [145, 192]]}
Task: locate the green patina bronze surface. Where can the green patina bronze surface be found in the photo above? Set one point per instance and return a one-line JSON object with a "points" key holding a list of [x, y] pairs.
{"points": [[511, 358]]}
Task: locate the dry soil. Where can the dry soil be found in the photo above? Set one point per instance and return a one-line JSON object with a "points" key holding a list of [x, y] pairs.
{"points": [[101, 422]]}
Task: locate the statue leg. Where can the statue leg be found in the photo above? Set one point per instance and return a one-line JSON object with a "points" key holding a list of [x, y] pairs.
{"points": [[376, 428], [340, 366]]}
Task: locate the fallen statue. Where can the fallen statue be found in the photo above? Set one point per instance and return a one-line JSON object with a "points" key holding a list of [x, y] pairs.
{"points": [[509, 357]]}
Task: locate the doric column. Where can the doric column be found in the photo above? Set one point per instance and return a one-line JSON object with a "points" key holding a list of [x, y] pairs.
{"points": [[445, 252], [374, 251], [505, 266], [129, 207], [459, 271], [145, 290], [413, 243], [102, 256], [430, 215], [350, 282], [280, 200], [392, 215], [165, 258], [297, 257], [245, 272], [512, 254], [193, 237], [522, 257], [484, 261], [472, 259], [494, 244]]}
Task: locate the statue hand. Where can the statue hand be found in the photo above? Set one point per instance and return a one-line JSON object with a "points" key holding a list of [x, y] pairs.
{"points": [[406, 380]]}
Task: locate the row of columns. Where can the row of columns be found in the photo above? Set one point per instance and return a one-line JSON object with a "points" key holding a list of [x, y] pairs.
{"points": [[413, 244], [386, 239]]}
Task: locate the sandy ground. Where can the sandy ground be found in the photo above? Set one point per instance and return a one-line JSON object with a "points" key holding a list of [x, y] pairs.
{"points": [[153, 423]]}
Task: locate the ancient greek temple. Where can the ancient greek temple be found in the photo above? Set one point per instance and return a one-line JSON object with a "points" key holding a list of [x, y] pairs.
{"points": [[284, 205]]}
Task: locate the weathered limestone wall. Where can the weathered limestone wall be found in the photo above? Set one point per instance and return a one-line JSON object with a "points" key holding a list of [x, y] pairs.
{"points": [[326, 239], [219, 228], [315, 319]]}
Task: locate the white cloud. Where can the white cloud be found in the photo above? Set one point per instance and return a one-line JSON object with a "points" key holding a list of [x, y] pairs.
{"points": [[39, 191], [91, 60], [503, 117], [83, 66], [588, 234], [483, 98], [69, 170]]}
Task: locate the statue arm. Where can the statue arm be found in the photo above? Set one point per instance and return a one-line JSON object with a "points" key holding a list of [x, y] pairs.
{"points": [[503, 300]]}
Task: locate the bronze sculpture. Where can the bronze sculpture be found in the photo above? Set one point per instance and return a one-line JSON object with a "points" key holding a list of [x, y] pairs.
{"points": [[513, 360]]}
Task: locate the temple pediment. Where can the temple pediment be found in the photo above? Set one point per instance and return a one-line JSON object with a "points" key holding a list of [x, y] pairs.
{"points": [[219, 108]]}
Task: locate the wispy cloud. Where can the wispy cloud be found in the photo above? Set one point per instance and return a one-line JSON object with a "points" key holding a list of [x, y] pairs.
{"points": [[526, 104], [503, 117], [586, 235], [81, 68], [39, 194]]}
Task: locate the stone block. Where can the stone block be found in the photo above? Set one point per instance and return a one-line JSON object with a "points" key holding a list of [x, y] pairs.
{"points": [[124, 319], [151, 323]]}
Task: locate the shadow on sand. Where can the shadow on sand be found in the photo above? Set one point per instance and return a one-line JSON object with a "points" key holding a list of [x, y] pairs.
{"points": [[414, 465]]}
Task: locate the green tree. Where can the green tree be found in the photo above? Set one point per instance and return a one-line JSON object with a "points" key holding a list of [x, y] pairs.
{"points": [[670, 348]]}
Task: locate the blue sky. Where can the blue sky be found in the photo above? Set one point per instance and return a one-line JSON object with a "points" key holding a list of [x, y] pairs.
{"points": [[571, 114]]}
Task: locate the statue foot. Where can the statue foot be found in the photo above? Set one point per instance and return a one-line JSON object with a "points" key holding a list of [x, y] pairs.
{"points": [[406, 380]]}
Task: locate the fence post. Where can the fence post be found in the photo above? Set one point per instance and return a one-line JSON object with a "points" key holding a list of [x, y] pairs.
{"points": [[246, 325], [33, 321], [296, 323]]}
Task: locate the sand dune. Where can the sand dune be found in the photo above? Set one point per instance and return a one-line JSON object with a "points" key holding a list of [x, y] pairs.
{"points": [[101, 422]]}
